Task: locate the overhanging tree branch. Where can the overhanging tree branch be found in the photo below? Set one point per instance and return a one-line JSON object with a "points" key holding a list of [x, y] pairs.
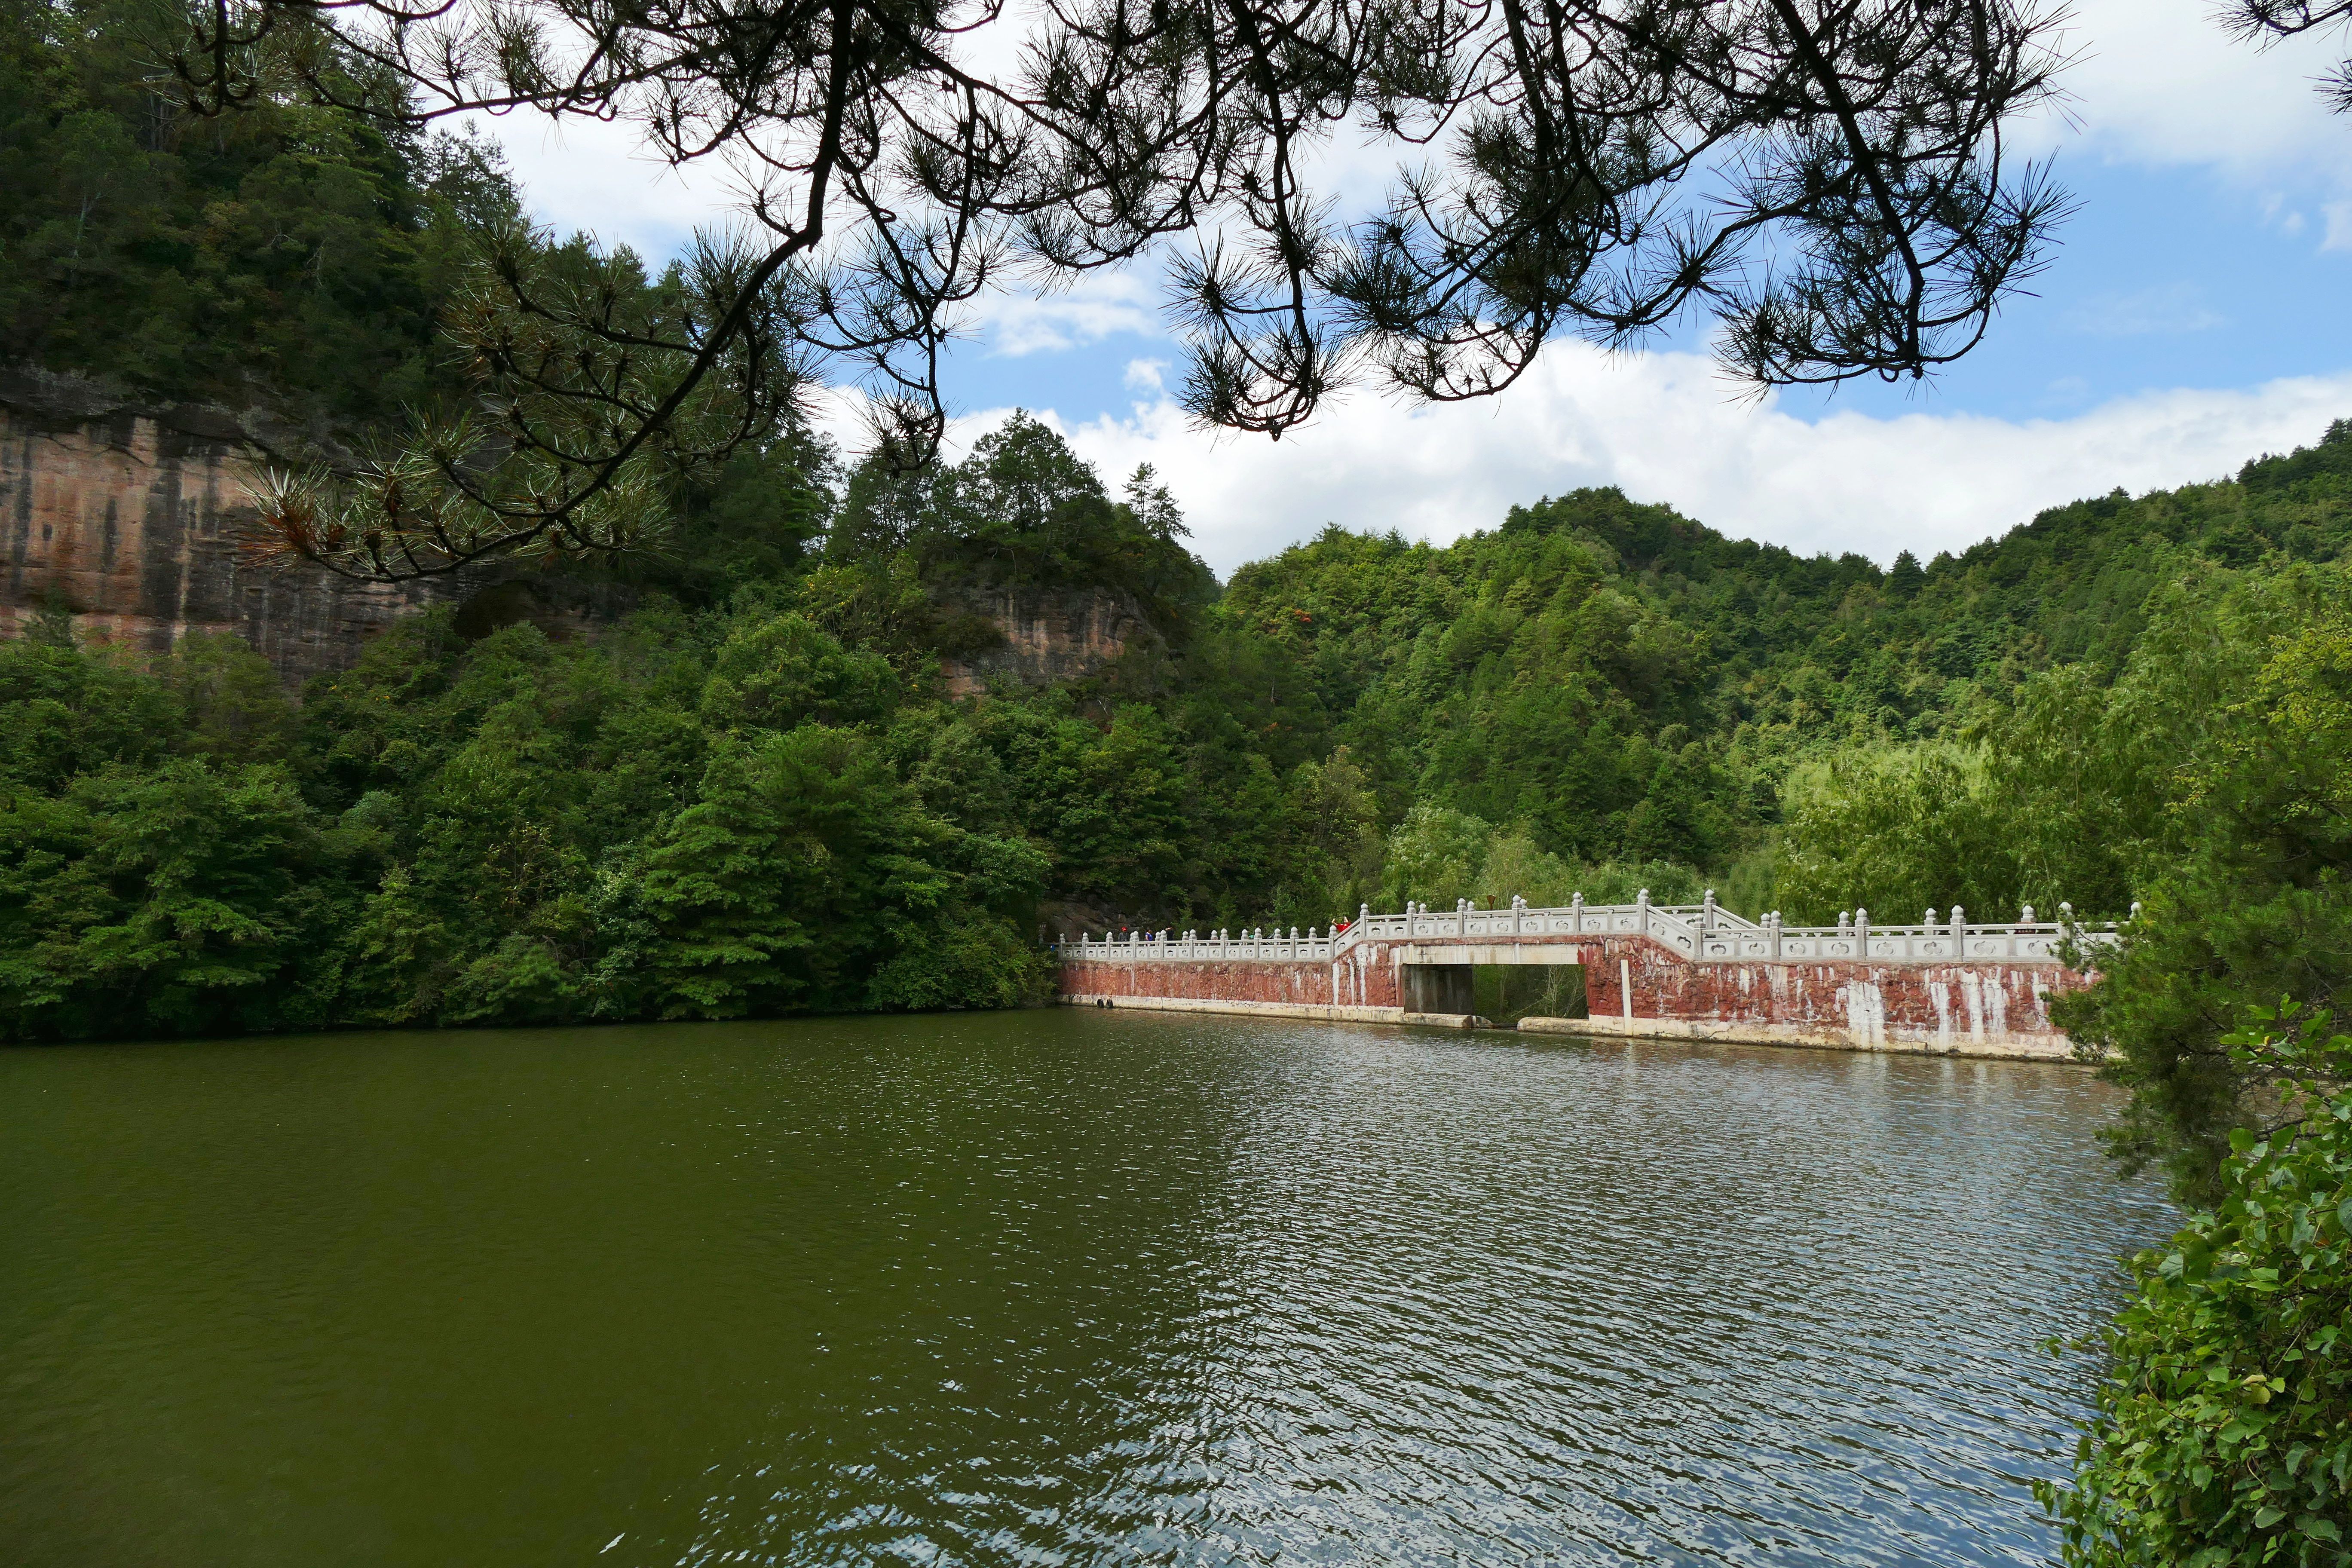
{"points": [[1824, 176]]}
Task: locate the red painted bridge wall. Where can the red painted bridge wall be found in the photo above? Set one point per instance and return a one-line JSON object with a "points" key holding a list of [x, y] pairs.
{"points": [[1908, 1000], [1365, 976], [1864, 1002]]}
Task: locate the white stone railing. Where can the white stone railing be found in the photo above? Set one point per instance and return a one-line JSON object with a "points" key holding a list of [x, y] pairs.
{"points": [[1704, 932]]}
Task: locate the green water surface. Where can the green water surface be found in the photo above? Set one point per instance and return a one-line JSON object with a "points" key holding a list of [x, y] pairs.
{"points": [[1058, 1287]]}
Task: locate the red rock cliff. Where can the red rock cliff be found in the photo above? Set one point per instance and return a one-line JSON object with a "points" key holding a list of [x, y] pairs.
{"points": [[130, 517]]}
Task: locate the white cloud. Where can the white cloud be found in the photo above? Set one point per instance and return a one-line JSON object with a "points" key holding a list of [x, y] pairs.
{"points": [[595, 175], [2166, 310], [1665, 428], [2159, 83], [1146, 374], [1096, 306]]}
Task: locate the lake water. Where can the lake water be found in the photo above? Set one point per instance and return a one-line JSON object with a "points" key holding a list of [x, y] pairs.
{"points": [[1058, 1287]]}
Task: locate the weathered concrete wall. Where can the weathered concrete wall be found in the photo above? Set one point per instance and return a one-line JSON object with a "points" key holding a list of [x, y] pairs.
{"points": [[1636, 985], [1311, 1010], [2052, 1046], [131, 518], [1872, 1005]]}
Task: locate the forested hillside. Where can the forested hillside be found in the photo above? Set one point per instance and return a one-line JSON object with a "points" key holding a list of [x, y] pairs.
{"points": [[756, 796], [284, 254], [1596, 695]]}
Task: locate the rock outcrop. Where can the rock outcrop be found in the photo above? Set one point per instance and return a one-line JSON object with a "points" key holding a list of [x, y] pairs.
{"points": [[130, 517], [1049, 635]]}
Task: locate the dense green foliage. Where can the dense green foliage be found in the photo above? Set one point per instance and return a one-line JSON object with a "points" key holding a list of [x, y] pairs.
{"points": [[1023, 512], [2206, 781], [281, 254], [699, 817], [2223, 1435], [754, 795]]}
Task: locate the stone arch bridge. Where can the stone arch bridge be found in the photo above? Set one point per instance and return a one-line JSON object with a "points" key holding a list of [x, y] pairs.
{"points": [[1948, 985]]}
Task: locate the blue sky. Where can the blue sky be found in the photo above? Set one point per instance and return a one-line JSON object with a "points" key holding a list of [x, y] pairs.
{"points": [[2194, 315]]}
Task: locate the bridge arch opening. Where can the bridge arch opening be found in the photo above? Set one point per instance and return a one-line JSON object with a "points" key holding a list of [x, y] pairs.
{"points": [[1508, 992]]}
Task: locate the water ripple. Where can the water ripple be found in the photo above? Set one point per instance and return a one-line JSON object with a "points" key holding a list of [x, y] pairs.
{"points": [[1041, 1288]]}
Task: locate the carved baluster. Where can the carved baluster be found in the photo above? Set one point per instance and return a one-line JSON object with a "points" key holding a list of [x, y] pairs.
{"points": [[1862, 932], [1576, 913], [1960, 931], [1641, 911]]}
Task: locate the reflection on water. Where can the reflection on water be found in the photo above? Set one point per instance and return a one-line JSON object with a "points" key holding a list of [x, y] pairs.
{"points": [[1044, 1287]]}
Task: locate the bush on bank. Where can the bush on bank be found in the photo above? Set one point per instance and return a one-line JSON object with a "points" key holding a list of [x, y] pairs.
{"points": [[2222, 1436], [697, 818]]}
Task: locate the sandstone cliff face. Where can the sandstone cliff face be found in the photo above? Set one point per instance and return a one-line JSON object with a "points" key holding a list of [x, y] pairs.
{"points": [[130, 517], [1049, 635]]}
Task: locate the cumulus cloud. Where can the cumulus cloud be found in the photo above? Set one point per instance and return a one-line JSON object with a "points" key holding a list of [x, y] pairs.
{"points": [[1096, 306], [2159, 83], [1665, 428], [595, 175]]}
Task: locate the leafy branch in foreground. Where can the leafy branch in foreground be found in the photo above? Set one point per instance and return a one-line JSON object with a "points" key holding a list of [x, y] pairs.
{"points": [[1827, 178], [2223, 1431], [586, 412]]}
